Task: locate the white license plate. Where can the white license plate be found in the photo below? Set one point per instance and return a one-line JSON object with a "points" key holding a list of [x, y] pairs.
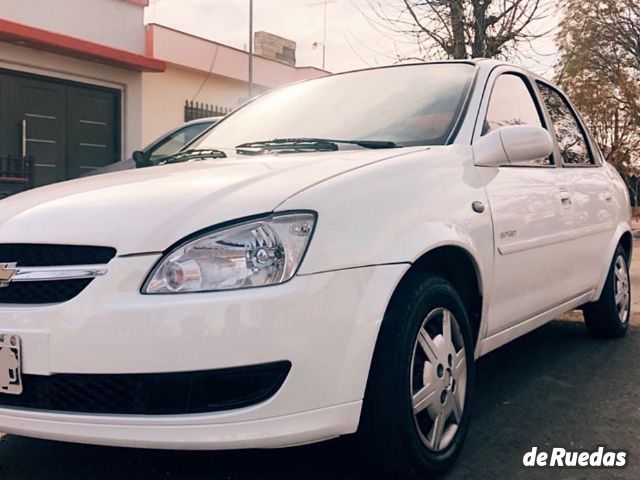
{"points": [[10, 364]]}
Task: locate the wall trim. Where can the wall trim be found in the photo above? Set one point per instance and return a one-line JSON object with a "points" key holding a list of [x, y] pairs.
{"points": [[39, 39]]}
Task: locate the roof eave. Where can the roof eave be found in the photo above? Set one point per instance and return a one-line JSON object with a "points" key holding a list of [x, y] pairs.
{"points": [[61, 44]]}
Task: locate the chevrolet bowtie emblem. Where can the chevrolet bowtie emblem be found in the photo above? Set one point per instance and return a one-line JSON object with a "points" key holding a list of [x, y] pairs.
{"points": [[7, 271]]}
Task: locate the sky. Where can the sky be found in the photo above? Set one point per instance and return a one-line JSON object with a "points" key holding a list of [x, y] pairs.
{"points": [[352, 42]]}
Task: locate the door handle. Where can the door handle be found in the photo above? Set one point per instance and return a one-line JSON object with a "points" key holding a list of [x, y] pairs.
{"points": [[565, 197], [23, 143]]}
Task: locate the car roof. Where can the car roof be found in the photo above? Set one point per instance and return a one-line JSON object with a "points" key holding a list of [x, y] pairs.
{"points": [[198, 121], [482, 64]]}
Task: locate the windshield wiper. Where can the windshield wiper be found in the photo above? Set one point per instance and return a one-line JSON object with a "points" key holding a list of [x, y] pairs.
{"points": [[307, 145], [192, 154]]}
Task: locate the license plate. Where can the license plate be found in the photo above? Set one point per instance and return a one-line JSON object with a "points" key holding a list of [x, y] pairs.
{"points": [[10, 364]]}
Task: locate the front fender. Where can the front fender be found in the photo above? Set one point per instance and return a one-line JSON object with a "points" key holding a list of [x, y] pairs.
{"points": [[424, 238], [394, 212]]}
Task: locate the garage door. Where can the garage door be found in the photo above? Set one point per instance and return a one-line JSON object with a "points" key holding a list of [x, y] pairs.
{"points": [[66, 128]]}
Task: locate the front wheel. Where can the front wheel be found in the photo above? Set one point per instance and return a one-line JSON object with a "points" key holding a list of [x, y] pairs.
{"points": [[609, 316], [417, 405]]}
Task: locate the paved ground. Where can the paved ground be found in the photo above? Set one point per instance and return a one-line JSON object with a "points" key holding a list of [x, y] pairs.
{"points": [[554, 387]]}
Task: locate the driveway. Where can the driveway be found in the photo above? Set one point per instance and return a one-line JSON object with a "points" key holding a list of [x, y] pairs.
{"points": [[555, 387]]}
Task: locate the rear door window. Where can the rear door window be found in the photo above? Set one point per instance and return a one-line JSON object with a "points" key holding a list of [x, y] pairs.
{"points": [[572, 140]]}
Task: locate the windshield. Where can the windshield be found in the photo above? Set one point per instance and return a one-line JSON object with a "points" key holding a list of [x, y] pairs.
{"points": [[407, 105]]}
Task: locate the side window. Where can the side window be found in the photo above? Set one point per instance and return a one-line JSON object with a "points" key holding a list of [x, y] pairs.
{"points": [[571, 138], [511, 103]]}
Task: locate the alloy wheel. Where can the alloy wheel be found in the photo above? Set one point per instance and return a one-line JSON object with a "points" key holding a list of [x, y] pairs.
{"points": [[621, 288], [438, 379]]}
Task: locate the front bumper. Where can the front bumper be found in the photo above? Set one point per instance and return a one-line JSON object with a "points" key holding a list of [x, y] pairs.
{"points": [[181, 433], [325, 324]]}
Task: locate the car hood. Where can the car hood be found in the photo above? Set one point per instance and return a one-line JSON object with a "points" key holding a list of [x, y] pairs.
{"points": [[147, 210]]}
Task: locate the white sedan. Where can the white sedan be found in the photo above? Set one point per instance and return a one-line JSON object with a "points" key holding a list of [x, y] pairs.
{"points": [[334, 262]]}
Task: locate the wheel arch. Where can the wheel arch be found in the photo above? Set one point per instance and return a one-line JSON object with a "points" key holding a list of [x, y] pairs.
{"points": [[626, 241], [622, 237], [456, 264]]}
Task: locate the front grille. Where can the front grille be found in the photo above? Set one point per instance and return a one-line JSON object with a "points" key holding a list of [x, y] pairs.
{"points": [[35, 293], [151, 394], [43, 255]]}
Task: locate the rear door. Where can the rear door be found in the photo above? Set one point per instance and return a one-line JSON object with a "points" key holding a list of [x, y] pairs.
{"points": [[594, 201], [532, 213]]}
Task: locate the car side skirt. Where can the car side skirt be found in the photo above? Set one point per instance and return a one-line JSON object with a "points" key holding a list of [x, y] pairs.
{"points": [[511, 333]]}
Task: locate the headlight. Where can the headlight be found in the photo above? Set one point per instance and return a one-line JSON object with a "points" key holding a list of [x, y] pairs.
{"points": [[251, 254]]}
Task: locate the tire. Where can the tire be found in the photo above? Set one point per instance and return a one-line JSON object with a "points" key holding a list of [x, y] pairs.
{"points": [[609, 316], [396, 443]]}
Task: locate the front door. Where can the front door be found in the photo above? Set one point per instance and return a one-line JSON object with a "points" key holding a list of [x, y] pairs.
{"points": [[532, 212], [65, 128]]}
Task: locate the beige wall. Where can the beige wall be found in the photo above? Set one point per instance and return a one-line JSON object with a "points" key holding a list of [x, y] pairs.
{"points": [[196, 53], [164, 95], [13, 57], [188, 61], [113, 23]]}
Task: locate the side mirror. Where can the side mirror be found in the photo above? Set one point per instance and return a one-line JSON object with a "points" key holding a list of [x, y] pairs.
{"points": [[141, 158], [512, 145]]}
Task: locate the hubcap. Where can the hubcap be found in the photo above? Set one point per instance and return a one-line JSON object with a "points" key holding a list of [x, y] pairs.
{"points": [[621, 288], [438, 379]]}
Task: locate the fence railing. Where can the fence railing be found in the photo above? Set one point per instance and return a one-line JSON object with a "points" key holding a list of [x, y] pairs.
{"points": [[16, 169], [16, 174], [195, 110]]}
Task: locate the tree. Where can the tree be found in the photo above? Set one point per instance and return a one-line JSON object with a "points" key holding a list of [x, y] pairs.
{"points": [[458, 29], [599, 68], [619, 27]]}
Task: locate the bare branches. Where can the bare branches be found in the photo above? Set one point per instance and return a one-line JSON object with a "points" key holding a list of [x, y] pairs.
{"points": [[462, 28], [433, 34], [620, 25]]}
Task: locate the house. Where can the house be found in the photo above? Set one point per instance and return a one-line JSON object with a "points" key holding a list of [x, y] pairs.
{"points": [[84, 84], [70, 86], [207, 78]]}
